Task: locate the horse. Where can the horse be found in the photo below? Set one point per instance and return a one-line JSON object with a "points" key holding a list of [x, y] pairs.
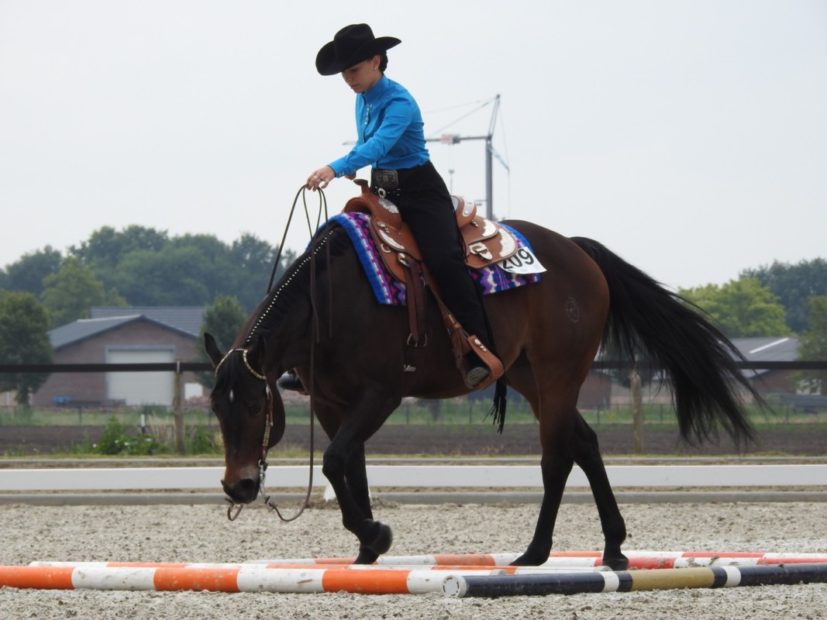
{"points": [[322, 320]]}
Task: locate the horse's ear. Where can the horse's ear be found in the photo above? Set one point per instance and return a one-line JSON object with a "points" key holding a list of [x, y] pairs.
{"points": [[212, 349]]}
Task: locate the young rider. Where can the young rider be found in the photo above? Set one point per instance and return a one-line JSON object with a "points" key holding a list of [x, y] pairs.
{"points": [[391, 139]]}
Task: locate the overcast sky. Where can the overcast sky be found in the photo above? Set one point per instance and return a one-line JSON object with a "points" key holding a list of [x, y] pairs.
{"points": [[690, 137]]}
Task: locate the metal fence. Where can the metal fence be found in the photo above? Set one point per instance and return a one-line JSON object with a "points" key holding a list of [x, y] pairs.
{"points": [[787, 401]]}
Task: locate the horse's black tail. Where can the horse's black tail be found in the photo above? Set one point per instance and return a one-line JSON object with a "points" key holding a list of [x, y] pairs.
{"points": [[646, 321], [498, 406]]}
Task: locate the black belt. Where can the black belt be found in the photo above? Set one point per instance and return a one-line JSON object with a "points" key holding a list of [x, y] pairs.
{"points": [[384, 179], [396, 181]]}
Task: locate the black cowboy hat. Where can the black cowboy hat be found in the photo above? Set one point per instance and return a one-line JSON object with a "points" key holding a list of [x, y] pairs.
{"points": [[351, 45]]}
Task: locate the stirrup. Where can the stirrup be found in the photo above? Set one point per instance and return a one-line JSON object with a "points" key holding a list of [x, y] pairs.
{"points": [[480, 366]]}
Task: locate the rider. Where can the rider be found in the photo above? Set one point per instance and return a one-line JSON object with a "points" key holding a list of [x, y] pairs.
{"points": [[391, 139]]}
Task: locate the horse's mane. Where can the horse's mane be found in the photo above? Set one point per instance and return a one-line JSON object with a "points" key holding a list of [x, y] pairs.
{"points": [[329, 242]]}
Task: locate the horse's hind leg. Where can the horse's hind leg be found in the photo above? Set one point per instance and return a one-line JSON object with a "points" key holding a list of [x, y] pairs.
{"points": [[587, 456], [556, 433]]}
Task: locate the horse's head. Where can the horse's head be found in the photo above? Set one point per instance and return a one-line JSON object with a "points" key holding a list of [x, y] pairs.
{"points": [[250, 414]]}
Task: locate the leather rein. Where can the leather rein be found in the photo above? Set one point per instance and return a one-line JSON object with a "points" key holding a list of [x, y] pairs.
{"points": [[233, 510]]}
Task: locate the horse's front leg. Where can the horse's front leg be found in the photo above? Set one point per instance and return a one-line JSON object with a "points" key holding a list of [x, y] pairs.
{"points": [[344, 467], [357, 481]]}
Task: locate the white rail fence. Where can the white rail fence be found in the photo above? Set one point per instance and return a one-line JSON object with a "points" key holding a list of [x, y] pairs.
{"points": [[417, 476]]}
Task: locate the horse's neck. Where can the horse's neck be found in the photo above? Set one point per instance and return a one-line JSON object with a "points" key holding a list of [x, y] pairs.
{"points": [[300, 310], [281, 319]]}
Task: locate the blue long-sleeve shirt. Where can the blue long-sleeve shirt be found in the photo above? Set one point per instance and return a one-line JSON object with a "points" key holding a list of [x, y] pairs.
{"points": [[390, 131]]}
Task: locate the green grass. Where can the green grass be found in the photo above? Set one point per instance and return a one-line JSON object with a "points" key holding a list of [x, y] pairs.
{"points": [[450, 412], [203, 437], [152, 416]]}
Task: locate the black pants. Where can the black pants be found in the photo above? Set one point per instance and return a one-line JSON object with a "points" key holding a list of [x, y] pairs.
{"points": [[425, 205]]}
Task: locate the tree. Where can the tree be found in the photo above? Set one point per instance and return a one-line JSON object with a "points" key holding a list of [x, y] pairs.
{"points": [[148, 267], [27, 274], [169, 277], [814, 340], [794, 285], [254, 260], [71, 292], [195, 269], [223, 318], [107, 247], [24, 339], [741, 308]]}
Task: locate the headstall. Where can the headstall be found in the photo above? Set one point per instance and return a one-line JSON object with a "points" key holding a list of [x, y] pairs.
{"points": [[233, 510]]}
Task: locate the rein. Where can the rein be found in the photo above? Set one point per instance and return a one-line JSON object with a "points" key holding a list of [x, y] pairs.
{"points": [[322, 208], [262, 466], [233, 510]]}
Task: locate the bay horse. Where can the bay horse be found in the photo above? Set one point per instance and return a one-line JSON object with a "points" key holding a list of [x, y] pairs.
{"points": [[322, 320]]}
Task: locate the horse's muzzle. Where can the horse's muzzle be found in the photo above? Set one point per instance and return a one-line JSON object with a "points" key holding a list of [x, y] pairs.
{"points": [[242, 492]]}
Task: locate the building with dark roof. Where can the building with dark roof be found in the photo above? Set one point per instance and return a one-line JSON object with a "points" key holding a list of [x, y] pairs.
{"points": [[770, 349], [184, 318], [166, 334], [123, 335]]}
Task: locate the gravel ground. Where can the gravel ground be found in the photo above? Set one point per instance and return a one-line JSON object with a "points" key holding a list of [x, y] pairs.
{"points": [[202, 534]]}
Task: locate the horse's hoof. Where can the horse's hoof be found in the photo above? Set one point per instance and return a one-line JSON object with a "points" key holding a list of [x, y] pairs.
{"points": [[616, 562], [382, 541], [366, 556], [530, 558]]}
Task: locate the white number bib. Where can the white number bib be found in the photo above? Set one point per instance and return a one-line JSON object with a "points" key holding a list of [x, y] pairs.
{"points": [[523, 262]]}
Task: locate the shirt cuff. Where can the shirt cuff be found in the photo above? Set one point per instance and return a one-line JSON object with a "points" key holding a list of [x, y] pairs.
{"points": [[338, 167]]}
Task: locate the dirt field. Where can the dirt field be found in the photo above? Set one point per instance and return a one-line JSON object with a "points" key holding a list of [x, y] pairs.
{"points": [[517, 439], [202, 534]]}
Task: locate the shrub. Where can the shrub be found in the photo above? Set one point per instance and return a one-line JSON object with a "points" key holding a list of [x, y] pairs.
{"points": [[116, 440], [202, 442]]}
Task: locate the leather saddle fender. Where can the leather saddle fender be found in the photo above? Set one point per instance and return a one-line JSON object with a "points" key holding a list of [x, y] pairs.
{"points": [[485, 242]]}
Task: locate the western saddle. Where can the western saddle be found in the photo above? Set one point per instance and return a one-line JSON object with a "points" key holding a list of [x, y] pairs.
{"points": [[485, 242]]}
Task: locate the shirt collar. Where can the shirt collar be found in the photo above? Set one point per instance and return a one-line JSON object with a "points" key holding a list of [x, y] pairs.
{"points": [[377, 90]]}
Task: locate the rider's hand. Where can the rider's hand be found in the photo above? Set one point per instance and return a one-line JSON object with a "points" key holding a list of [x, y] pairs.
{"points": [[320, 178]]}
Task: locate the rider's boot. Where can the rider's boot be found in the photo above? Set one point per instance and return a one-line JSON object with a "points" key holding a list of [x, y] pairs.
{"points": [[290, 381]]}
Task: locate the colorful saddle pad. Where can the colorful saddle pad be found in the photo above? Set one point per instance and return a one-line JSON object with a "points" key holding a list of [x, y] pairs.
{"points": [[390, 291]]}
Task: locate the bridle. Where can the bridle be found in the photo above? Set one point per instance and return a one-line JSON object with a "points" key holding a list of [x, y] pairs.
{"points": [[233, 510], [244, 359]]}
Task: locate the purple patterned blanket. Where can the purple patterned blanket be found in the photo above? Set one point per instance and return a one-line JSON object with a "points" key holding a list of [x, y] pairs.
{"points": [[389, 291]]}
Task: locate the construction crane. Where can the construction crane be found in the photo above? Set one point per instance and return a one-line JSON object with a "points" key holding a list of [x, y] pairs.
{"points": [[490, 152]]}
